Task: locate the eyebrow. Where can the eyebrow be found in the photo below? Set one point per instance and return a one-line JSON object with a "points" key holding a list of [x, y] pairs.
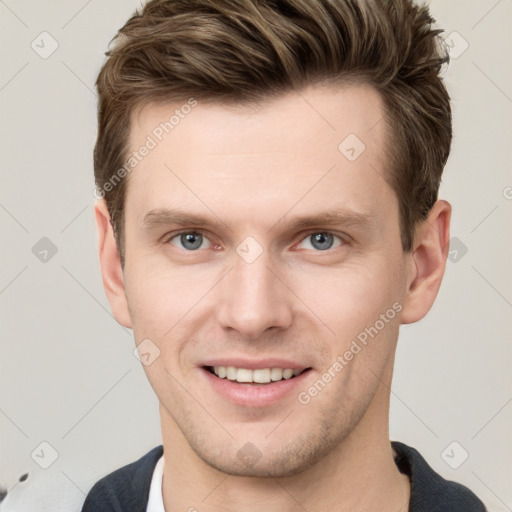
{"points": [[164, 217]]}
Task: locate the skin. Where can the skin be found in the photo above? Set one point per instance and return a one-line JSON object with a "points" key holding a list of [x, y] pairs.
{"points": [[253, 169]]}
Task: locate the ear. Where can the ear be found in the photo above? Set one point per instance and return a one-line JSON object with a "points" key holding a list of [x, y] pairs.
{"points": [[427, 262], [110, 263]]}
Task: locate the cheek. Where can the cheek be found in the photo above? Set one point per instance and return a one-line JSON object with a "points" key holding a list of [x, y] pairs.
{"points": [[361, 305], [352, 297], [162, 298]]}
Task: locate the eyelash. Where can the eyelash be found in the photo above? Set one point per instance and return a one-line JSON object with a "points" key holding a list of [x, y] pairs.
{"points": [[342, 238]]}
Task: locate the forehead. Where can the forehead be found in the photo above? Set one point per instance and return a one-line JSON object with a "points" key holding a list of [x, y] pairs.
{"points": [[325, 111], [319, 144]]}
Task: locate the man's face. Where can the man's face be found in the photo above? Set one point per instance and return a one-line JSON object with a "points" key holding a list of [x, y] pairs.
{"points": [[251, 290]]}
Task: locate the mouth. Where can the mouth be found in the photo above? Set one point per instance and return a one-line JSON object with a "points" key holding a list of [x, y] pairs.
{"points": [[255, 383], [259, 376], [255, 387]]}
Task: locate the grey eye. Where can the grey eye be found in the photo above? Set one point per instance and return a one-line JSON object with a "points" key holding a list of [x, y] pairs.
{"points": [[322, 240], [189, 240]]}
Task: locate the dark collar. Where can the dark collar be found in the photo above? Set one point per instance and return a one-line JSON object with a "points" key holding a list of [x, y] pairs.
{"points": [[430, 492]]}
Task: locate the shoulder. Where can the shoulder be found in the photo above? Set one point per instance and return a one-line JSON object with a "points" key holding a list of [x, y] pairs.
{"points": [[429, 490], [125, 487]]}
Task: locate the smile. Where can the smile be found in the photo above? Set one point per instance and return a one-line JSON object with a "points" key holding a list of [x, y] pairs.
{"points": [[257, 376], [267, 384]]}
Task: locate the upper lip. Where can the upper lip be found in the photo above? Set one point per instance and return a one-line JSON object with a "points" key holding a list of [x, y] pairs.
{"points": [[255, 364]]}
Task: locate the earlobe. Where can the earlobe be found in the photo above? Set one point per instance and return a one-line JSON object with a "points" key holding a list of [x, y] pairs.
{"points": [[427, 262], [110, 263]]}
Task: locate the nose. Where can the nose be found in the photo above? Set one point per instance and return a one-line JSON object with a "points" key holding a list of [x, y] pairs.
{"points": [[254, 298]]}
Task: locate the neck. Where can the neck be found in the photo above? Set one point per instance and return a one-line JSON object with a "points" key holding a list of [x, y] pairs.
{"points": [[358, 475]]}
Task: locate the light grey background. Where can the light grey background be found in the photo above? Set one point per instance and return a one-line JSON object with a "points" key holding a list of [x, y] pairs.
{"points": [[68, 373]]}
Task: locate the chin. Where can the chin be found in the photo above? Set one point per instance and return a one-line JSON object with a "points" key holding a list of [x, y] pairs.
{"points": [[274, 460]]}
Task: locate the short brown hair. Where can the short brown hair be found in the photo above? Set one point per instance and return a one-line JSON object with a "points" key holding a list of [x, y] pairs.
{"points": [[243, 51]]}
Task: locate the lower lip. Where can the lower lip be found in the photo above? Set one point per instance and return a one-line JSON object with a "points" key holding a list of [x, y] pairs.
{"points": [[254, 395]]}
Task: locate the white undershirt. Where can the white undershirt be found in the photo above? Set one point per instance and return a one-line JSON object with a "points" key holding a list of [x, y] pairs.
{"points": [[156, 500]]}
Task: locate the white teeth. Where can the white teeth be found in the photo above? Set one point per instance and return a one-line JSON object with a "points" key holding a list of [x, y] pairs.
{"points": [[276, 374], [244, 375], [260, 376], [287, 374]]}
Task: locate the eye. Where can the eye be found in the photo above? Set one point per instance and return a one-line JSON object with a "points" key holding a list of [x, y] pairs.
{"points": [[188, 240], [322, 240]]}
